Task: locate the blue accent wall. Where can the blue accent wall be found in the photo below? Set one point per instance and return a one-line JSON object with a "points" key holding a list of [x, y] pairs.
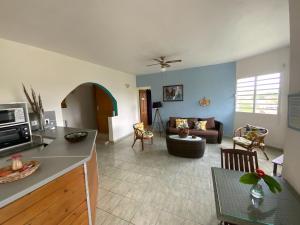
{"points": [[216, 82]]}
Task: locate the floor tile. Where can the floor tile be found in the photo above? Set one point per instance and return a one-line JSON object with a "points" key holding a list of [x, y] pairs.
{"points": [[113, 220], [165, 218], [126, 209], [101, 216], [146, 215], [109, 202]]}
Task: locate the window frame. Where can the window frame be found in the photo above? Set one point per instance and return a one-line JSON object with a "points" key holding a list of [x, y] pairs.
{"points": [[255, 93]]}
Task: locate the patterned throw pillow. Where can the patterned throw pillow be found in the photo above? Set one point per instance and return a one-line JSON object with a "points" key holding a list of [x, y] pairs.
{"points": [[200, 125], [180, 122], [251, 135], [140, 126]]}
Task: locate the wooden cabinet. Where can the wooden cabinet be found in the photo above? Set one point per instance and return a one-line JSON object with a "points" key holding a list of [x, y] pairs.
{"points": [[67, 200]]}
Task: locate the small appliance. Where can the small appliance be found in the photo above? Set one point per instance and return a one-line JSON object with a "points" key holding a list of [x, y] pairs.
{"points": [[14, 125]]}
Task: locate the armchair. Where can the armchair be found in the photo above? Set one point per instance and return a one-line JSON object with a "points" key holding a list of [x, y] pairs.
{"points": [[251, 137], [141, 134]]}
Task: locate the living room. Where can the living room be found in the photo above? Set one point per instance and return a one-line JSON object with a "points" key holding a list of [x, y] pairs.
{"points": [[205, 68]]}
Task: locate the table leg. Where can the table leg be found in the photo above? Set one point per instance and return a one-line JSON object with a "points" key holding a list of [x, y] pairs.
{"points": [[274, 169]]}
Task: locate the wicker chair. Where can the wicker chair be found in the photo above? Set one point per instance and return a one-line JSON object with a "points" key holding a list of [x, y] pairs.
{"points": [[141, 134], [251, 137]]}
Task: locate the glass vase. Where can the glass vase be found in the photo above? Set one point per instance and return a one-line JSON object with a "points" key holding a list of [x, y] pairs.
{"points": [[257, 191], [41, 121]]}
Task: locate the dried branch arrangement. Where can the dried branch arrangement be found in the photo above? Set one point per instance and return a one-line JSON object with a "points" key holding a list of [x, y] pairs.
{"points": [[35, 102]]}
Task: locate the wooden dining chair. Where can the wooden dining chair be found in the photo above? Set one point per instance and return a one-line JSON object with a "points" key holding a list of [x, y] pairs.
{"points": [[239, 160]]}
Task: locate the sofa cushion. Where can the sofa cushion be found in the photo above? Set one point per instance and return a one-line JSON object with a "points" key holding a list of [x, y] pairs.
{"points": [[210, 122], [181, 122], [200, 125], [204, 133], [173, 121], [191, 122]]}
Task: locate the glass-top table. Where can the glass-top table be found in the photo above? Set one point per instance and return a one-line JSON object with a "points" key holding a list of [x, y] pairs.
{"points": [[234, 204]]}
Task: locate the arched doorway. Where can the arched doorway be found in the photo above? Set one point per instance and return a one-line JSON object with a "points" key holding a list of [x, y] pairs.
{"points": [[89, 106]]}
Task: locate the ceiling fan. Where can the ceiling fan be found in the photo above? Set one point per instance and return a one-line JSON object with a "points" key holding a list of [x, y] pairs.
{"points": [[164, 64]]}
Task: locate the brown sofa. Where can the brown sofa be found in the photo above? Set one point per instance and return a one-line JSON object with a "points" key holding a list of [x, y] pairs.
{"points": [[213, 134]]}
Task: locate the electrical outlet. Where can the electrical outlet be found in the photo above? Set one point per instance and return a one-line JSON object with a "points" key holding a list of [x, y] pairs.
{"points": [[47, 121]]}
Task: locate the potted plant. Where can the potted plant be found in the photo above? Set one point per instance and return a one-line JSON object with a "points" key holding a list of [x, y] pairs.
{"points": [[255, 178], [183, 130], [36, 106]]}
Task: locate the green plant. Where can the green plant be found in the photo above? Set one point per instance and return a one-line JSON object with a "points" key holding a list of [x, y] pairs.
{"points": [[255, 177]]}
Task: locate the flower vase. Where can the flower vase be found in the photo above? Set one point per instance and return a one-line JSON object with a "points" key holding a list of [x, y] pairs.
{"points": [[183, 132], [41, 121], [257, 191]]}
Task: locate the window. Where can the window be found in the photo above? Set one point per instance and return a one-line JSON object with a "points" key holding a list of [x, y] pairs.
{"points": [[258, 94]]}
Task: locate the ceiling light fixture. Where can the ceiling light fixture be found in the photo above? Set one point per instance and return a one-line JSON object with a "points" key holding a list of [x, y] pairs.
{"points": [[163, 69]]}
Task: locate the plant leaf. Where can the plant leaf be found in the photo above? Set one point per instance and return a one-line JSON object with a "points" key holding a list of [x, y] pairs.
{"points": [[249, 178], [273, 185]]}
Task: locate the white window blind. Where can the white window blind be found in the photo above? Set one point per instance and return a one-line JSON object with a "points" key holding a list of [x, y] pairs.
{"points": [[245, 94], [258, 94]]}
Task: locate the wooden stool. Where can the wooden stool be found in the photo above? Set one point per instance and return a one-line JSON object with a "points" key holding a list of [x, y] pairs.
{"points": [[276, 162]]}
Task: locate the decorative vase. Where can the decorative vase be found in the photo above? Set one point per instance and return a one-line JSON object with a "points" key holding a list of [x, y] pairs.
{"points": [[41, 121], [183, 132], [257, 191]]}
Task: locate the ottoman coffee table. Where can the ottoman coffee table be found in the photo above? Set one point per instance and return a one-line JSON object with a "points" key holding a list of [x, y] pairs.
{"points": [[185, 147]]}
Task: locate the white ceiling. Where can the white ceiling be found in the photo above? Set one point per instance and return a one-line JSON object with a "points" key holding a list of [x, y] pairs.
{"points": [[126, 34]]}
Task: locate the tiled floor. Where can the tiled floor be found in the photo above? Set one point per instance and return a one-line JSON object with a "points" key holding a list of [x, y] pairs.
{"points": [[155, 188]]}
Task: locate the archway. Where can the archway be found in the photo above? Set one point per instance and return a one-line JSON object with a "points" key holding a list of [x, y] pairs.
{"points": [[89, 105]]}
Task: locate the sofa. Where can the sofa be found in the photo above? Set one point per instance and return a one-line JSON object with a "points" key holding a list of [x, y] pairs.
{"points": [[213, 133]]}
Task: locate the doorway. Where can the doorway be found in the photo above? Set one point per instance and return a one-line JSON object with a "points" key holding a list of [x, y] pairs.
{"points": [[145, 104], [89, 106], [104, 109]]}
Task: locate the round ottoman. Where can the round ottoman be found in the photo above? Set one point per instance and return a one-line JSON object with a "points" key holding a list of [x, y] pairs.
{"points": [[185, 147]]}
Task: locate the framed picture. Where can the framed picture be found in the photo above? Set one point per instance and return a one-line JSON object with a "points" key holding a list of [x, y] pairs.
{"points": [[173, 93], [294, 111]]}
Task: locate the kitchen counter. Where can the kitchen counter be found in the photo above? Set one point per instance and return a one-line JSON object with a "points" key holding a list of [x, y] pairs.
{"points": [[57, 159]]}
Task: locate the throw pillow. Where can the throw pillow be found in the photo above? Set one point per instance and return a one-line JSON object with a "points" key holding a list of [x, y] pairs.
{"points": [[210, 122], [251, 135], [200, 125], [139, 126], [180, 122]]}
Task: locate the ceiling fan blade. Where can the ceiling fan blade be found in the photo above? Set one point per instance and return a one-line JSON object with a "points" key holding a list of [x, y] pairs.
{"points": [[174, 61], [166, 65], [158, 60], [154, 64]]}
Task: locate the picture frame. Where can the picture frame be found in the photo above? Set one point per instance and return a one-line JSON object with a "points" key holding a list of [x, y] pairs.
{"points": [[173, 93], [294, 111]]}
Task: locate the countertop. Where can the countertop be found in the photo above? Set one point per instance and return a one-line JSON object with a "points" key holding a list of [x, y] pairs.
{"points": [[56, 159]]}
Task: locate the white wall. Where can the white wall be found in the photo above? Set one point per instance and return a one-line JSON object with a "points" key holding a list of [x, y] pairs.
{"points": [[270, 62], [54, 75], [80, 111], [292, 150]]}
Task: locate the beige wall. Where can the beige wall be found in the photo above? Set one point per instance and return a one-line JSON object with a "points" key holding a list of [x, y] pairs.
{"points": [[80, 111], [270, 62], [54, 76], [292, 150]]}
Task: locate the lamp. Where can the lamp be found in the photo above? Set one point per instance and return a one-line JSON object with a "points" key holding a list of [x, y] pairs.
{"points": [[156, 105], [157, 118]]}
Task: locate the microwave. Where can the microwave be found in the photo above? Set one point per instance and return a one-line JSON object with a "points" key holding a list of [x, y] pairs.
{"points": [[11, 116], [14, 135], [14, 125]]}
